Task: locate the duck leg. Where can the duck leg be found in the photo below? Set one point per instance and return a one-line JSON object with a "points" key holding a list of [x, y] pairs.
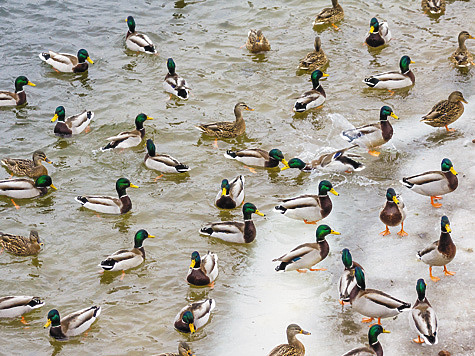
{"points": [[301, 270], [15, 204], [435, 204], [385, 232], [418, 340], [252, 170], [435, 279], [211, 285], [157, 177], [367, 320], [374, 153], [215, 143], [448, 273], [23, 321], [317, 269], [335, 27], [309, 222], [450, 130], [402, 232], [343, 303], [122, 276]]}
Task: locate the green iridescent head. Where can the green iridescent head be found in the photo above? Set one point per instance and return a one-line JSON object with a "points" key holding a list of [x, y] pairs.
{"points": [[421, 289], [189, 319], [296, 163], [44, 181], [385, 112], [84, 56], [140, 237], [447, 165], [374, 25], [374, 332], [346, 258], [324, 230], [53, 318], [131, 23], [140, 119], [404, 64], [225, 186], [324, 187], [445, 224], [150, 147], [171, 66], [316, 76], [391, 195], [248, 209], [20, 82], [360, 280], [195, 260], [59, 113], [122, 184], [276, 154]]}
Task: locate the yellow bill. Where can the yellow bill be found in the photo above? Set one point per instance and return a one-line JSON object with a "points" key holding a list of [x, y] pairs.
{"points": [[453, 171], [334, 192], [335, 232], [52, 186], [48, 323], [89, 60], [447, 227], [133, 186], [259, 213], [395, 200], [54, 118], [394, 115], [32, 84]]}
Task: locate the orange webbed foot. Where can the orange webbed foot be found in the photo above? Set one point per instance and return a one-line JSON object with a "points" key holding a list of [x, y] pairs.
{"points": [[211, 285], [23, 321], [335, 27], [402, 232], [317, 269], [418, 340], [301, 270], [434, 278], [374, 153], [385, 232], [367, 320], [309, 222], [158, 177], [448, 273], [252, 170], [15, 204], [435, 204], [391, 92], [449, 130]]}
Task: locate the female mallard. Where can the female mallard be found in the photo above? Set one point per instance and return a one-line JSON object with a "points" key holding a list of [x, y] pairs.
{"points": [[434, 183], [234, 231], [26, 167], [128, 139], [73, 125], [293, 347], [20, 245], [372, 136], [434, 7], [73, 324], [307, 255], [22, 188], [393, 213], [462, 56], [194, 316], [258, 157], [309, 208], [441, 252], [374, 348], [231, 194], [330, 15], [374, 303], [203, 271], [314, 97], [347, 283], [316, 59], [15, 306], [183, 350], [67, 63], [109, 205], [227, 129], [136, 41], [162, 162], [379, 33], [422, 317], [8, 98], [446, 112], [257, 42], [174, 84], [393, 80]]}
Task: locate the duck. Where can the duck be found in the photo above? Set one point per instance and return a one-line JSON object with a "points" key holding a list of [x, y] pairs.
{"points": [[434, 7], [393, 213], [258, 157], [330, 15], [309, 208], [183, 350], [21, 245], [72, 324], [422, 318], [73, 125], [174, 84], [22, 188], [231, 194], [446, 112], [194, 316], [293, 347], [372, 136], [374, 303], [129, 139], [17, 98], [136, 41], [203, 271], [316, 59], [312, 98], [234, 231], [227, 129], [162, 162], [25, 167], [307, 255], [434, 183], [257, 42], [16, 306], [347, 283], [109, 205], [374, 348], [393, 80], [67, 63], [462, 57], [440, 252], [379, 33]]}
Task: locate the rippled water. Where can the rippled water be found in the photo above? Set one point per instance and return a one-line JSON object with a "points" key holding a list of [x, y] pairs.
{"points": [[254, 303]]}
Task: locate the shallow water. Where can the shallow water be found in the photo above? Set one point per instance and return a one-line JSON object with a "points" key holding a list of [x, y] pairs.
{"points": [[254, 303]]}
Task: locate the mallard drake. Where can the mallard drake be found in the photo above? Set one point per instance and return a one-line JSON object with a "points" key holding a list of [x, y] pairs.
{"points": [[446, 112], [174, 84], [435, 7], [32, 168], [307, 255], [8, 98], [257, 42], [315, 59], [227, 129], [73, 125], [314, 97], [372, 136], [231, 194], [293, 347], [194, 316], [434, 183], [136, 41], [441, 252], [203, 271], [422, 318], [129, 139], [183, 350], [22, 188], [20, 245], [309, 208], [393, 213], [73, 324], [374, 303], [109, 205], [379, 33], [15, 306], [347, 283], [393, 80], [258, 157], [67, 63], [234, 231], [330, 15], [162, 162], [374, 348], [462, 56]]}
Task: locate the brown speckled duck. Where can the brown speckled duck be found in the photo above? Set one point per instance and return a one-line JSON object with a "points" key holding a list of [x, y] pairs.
{"points": [[26, 167], [330, 15], [462, 56], [294, 347], [257, 42], [315, 59], [434, 7], [20, 245], [445, 112], [183, 350]]}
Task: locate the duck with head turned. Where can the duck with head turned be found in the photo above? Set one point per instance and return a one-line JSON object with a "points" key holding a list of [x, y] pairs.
{"points": [[330, 15], [374, 348], [379, 33], [293, 347], [174, 84], [183, 350], [422, 318], [17, 98], [129, 139], [393, 213], [203, 271], [462, 57], [73, 324], [446, 112], [32, 168], [347, 283], [231, 194], [393, 80], [136, 41], [73, 125], [21, 245], [312, 98], [67, 63], [194, 316], [258, 157]]}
